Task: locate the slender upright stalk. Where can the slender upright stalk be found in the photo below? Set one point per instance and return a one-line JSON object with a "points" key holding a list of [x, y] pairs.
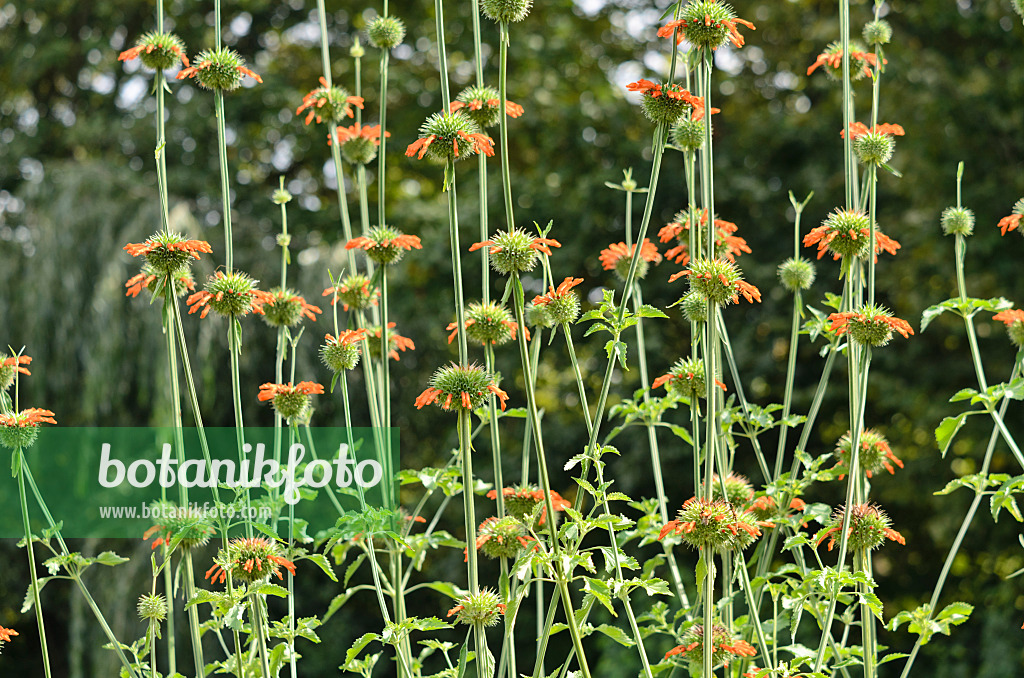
{"points": [[453, 234], [225, 188], [30, 551]]}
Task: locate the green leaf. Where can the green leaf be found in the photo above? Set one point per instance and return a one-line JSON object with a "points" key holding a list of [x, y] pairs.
{"points": [[110, 559], [946, 431], [600, 591], [357, 647], [321, 561], [270, 590], [616, 634], [233, 619]]}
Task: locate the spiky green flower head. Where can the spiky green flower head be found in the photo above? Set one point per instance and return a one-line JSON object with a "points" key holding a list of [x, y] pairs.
{"points": [[720, 281], [695, 307], [957, 221], [869, 527], [872, 325], [668, 104], [359, 150], [874, 148], [522, 503], [341, 353], [450, 136], [285, 308], [158, 51], [219, 69], [873, 456], [515, 250], [688, 134], [460, 388], [712, 524], [738, 490], [292, 403], [506, 11], [385, 244], [502, 538], [230, 294], [167, 252], [484, 608], [489, 324], [483, 104], [563, 304], [354, 291], [152, 607], [796, 273], [332, 103], [724, 647], [686, 378], [249, 560], [396, 342], [21, 429], [709, 23], [184, 526], [537, 315], [877, 32], [386, 32], [844, 232]]}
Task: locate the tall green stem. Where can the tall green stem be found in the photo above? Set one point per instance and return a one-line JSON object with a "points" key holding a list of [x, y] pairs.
{"points": [[225, 188], [30, 551]]}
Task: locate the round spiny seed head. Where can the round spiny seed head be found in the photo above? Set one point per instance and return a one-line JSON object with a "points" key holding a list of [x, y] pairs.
{"points": [[835, 73], [724, 647], [223, 69], [386, 247], [160, 50], [713, 524], [285, 310], [665, 108], [695, 306], [339, 356], [450, 130], [957, 221], [485, 115], [231, 293], [489, 324], [291, 405], [359, 150], [386, 32], [688, 378], [796, 273], [506, 11], [873, 456], [874, 148], [186, 525], [871, 326], [847, 228], [166, 254], [705, 25], [152, 607], [688, 134], [716, 279], [869, 527], [738, 490], [249, 560], [484, 608], [454, 380], [565, 308], [877, 32], [1015, 331], [538, 315], [15, 437], [502, 538], [515, 254], [355, 292]]}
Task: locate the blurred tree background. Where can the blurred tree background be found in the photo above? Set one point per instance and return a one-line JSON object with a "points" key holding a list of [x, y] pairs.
{"points": [[77, 182]]}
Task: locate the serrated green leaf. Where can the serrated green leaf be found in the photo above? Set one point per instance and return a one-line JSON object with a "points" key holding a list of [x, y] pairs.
{"points": [[616, 634], [321, 561]]}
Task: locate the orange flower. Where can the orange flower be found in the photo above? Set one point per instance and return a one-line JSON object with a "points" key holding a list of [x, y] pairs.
{"points": [[727, 245], [616, 252], [871, 326], [464, 387], [554, 294], [512, 109], [396, 342], [234, 294], [478, 143], [17, 362], [270, 391], [249, 560], [30, 418], [721, 19], [406, 242], [346, 337], [858, 129], [1009, 223], [6, 634], [358, 131], [134, 52], [671, 91], [833, 57], [334, 103]]}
